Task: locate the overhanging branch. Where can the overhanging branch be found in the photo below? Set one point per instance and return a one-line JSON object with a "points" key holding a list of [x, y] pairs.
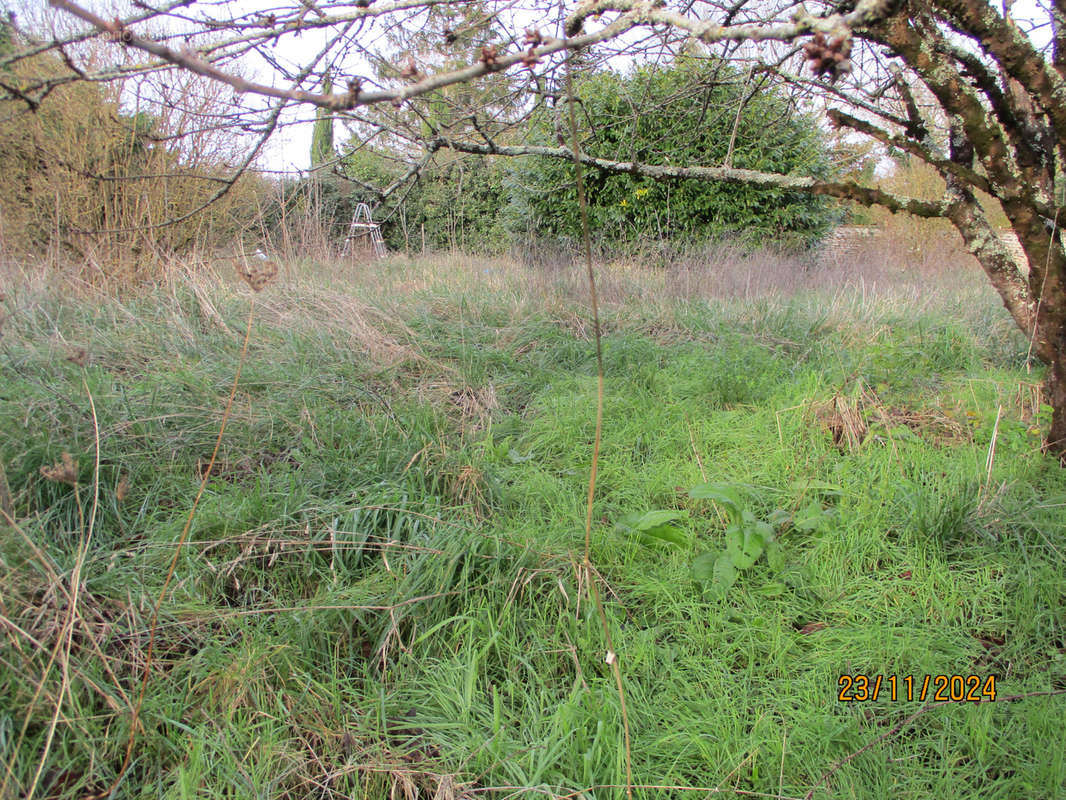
{"points": [[1014, 53], [650, 12], [843, 190], [942, 165], [354, 97]]}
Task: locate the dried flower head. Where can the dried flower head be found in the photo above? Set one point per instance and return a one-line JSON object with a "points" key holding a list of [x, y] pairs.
{"points": [[258, 273], [79, 356], [122, 488], [490, 56], [828, 56], [410, 70], [63, 471]]}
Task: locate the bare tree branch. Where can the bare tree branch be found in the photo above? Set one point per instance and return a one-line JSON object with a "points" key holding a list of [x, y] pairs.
{"points": [[354, 96], [649, 12], [1016, 53], [844, 190], [923, 152]]}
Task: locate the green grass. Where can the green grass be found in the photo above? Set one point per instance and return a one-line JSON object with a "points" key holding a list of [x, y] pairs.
{"points": [[382, 597]]}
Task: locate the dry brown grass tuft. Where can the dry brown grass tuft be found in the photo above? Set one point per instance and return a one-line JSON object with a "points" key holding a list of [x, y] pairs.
{"points": [[462, 484], [7, 506], [1028, 398], [848, 419], [895, 253], [257, 273], [241, 470], [842, 418], [63, 471], [475, 405], [884, 266], [398, 773], [931, 424], [466, 487]]}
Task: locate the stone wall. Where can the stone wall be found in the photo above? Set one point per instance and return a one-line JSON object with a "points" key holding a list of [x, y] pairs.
{"points": [[847, 241]]}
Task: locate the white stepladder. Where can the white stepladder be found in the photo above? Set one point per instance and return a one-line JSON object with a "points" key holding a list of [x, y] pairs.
{"points": [[364, 226]]}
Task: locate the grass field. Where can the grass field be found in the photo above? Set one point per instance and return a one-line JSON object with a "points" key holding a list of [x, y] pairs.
{"points": [[382, 592]]}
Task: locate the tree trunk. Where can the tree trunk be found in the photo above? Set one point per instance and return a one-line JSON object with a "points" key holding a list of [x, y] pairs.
{"points": [[1044, 320], [1055, 388]]}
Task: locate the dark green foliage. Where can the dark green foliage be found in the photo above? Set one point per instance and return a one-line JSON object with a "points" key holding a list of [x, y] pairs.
{"points": [[322, 134], [454, 201], [453, 204], [680, 115]]}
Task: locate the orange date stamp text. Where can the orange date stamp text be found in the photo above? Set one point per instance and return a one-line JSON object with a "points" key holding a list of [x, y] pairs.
{"points": [[934, 688]]}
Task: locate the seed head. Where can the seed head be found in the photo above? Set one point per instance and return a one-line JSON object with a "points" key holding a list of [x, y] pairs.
{"points": [[258, 274], [63, 471]]}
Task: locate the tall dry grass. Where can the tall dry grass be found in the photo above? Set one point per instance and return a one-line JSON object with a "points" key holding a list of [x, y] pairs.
{"points": [[878, 270], [93, 178]]}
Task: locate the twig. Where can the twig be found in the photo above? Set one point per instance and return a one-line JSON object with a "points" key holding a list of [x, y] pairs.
{"points": [[612, 656], [7, 506]]}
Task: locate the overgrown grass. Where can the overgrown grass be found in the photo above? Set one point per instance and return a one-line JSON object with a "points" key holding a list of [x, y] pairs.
{"points": [[382, 593]]}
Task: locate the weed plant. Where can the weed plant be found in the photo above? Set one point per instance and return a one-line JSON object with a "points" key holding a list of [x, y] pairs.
{"points": [[382, 595]]}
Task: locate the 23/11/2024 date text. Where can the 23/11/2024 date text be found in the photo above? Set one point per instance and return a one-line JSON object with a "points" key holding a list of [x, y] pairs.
{"points": [[936, 688]]}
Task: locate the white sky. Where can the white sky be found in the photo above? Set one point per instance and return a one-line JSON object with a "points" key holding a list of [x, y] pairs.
{"points": [[290, 148]]}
